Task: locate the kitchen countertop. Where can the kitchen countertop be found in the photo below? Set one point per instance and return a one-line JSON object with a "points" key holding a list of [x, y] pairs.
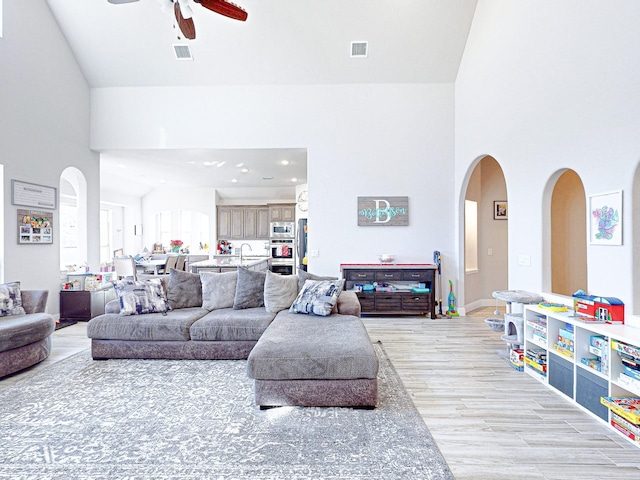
{"points": [[229, 261], [388, 265]]}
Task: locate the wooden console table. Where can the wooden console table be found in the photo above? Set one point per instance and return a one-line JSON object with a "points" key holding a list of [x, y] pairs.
{"points": [[401, 277]]}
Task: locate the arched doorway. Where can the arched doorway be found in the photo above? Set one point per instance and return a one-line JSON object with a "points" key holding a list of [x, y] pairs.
{"points": [[73, 218], [568, 229], [486, 264]]}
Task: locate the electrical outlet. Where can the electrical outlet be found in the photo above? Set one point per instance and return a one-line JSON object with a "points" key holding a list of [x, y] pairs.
{"points": [[315, 253], [524, 260]]}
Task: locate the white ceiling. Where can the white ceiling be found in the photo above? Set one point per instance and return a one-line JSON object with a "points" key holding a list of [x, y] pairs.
{"points": [[282, 42]]}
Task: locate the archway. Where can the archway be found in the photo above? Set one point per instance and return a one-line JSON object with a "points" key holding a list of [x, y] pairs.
{"points": [[485, 244], [73, 218], [566, 219]]}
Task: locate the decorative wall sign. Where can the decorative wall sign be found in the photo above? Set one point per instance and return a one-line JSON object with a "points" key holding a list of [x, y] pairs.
{"points": [[32, 195], [500, 210], [605, 218], [383, 211], [35, 227]]}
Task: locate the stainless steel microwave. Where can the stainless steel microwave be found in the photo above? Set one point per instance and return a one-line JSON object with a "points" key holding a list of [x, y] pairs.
{"points": [[282, 229]]}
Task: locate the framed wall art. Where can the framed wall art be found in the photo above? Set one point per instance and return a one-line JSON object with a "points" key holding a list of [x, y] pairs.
{"points": [[383, 211], [32, 195], [500, 210], [35, 227], [605, 218]]}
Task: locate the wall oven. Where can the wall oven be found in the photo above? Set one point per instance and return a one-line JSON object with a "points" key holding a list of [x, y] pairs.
{"points": [[282, 255]]}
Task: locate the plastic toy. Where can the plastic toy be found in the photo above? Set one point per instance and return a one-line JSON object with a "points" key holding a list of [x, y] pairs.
{"points": [[452, 302]]}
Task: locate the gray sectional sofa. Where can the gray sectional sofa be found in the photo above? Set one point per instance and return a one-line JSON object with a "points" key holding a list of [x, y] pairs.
{"points": [[319, 356], [25, 335]]}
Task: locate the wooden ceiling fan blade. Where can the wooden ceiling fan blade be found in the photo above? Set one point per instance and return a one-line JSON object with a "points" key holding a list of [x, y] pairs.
{"points": [[187, 27], [225, 8]]}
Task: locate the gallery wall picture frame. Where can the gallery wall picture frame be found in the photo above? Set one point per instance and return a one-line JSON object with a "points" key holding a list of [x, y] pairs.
{"points": [[35, 227], [500, 210], [605, 218], [33, 195]]}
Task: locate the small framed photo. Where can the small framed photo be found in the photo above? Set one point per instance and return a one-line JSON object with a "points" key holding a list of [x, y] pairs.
{"points": [[500, 210]]}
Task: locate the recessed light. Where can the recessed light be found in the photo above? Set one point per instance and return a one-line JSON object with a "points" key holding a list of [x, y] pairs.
{"points": [[209, 164], [240, 164], [235, 180], [245, 170], [220, 164], [294, 179], [285, 162]]}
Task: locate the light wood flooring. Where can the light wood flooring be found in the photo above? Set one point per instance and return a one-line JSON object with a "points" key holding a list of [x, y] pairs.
{"points": [[489, 421]]}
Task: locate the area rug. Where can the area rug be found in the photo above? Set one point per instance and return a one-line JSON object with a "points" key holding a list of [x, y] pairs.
{"points": [[194, 419]]}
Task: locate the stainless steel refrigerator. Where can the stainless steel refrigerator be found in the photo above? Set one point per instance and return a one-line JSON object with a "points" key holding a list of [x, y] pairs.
{"points": [[301, 244]]}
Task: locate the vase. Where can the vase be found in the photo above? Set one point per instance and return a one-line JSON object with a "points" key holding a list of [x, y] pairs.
{"points": [[175, 249]]}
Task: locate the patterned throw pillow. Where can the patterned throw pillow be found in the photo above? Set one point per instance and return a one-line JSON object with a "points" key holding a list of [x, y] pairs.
{"points": [[11, 299], [137, 298], [317, 297]]}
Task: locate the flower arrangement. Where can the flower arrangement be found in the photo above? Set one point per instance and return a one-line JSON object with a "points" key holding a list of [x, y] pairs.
{"points": [[175, 245]]}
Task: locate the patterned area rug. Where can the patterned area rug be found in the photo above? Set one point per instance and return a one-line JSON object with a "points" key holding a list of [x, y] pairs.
{"points": [[186, 419]]}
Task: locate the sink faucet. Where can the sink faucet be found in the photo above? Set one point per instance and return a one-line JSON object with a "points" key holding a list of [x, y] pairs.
{"points": [[250, 249]]}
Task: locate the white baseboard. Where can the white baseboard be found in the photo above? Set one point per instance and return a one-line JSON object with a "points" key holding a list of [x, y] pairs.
{"points": [[486, 302]]}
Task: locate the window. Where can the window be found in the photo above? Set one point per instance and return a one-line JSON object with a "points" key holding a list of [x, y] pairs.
{"points": [[68, 232], [105, 236], [470, 236], [190, 227]]}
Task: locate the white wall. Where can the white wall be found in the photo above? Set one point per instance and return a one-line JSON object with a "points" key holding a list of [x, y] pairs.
{"points": [[44, 128], [362, 140], [546, 85]]}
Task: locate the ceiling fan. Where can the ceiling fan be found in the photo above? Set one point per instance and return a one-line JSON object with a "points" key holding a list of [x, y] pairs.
{"points": [[184, 14]]}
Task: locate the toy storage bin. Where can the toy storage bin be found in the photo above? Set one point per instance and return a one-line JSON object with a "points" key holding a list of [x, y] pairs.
{"points": [[589, 389], [560, 373]]}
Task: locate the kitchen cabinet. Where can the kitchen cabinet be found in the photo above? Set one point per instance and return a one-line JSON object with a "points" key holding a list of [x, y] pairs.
{"points": [[400, 280], [282, 213], [243, 223]]}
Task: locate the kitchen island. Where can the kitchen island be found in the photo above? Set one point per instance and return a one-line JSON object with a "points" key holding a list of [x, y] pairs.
{"points": [[229, 264]]}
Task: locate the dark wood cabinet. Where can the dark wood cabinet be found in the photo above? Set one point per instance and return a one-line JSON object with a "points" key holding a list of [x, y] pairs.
{"points": [[400, 278], [82, 305]]}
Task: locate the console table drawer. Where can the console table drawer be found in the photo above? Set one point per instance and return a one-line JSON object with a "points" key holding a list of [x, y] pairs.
{"points": [[416, 302], [367, 301], [388, 275], [388, 301], [417, 275], [360, 275]]}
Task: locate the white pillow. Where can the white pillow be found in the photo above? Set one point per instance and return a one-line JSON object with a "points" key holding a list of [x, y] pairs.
{"points": [[279, 291]]}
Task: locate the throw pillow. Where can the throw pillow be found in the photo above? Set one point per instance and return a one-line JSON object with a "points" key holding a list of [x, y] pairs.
{"points": [[317, 297], [249, 289], [184, 289], [140, 297], [279, 291], [218, 289], [303, 276], [11, 299]]}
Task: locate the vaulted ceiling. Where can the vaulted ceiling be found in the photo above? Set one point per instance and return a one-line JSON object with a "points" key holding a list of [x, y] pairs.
{"points": [[282, 42]]}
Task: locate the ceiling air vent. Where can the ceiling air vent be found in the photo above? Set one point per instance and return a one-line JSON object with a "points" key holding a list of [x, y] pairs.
{"points": [[183, 52], [359, 49]]}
